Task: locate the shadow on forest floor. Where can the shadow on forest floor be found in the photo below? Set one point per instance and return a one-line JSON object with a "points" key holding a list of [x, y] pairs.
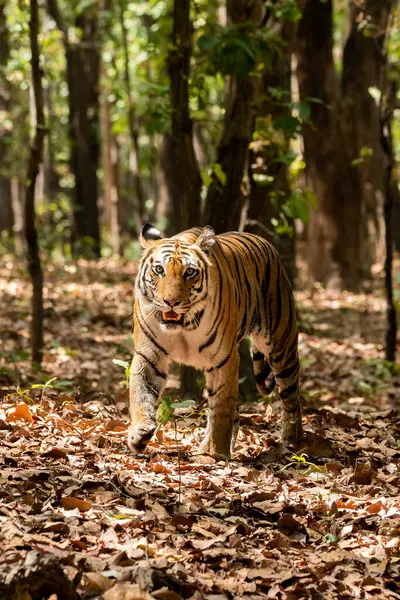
{"points": [[316, 521]]}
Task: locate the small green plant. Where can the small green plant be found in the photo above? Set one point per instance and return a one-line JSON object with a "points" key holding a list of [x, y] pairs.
{"points": [[301, 460], [125, 365], [166, 412]]}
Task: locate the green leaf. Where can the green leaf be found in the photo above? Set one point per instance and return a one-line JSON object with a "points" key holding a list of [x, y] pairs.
{"points": [[219, 173], [164, 411], [206, 177], [121, 363], [183, 404], [288, 124], [206, 41], [303, 109]]}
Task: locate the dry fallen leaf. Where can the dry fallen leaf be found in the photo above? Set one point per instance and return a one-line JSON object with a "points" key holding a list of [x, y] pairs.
{"points": [[70, 503], [20, 412], [126, 591]]}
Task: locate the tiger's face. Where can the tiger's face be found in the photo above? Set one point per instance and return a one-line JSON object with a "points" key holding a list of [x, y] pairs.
{"points": [[173, 277]]}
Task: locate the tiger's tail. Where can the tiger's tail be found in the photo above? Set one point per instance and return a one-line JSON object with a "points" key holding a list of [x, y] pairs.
{"points": [[265, 380]]}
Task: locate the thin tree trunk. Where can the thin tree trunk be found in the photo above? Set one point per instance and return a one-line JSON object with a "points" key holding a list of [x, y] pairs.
{"points": [[18, 214], [177, 157], [6, 214], [83, 74], [112, 198], [134, 161], [35, 159], [225, 200], [390, 186]]}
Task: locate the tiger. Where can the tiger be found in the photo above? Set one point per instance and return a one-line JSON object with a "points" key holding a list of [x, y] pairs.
{"points": [[197, 295]]}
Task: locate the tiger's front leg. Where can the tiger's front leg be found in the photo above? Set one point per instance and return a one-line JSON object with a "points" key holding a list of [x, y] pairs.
{"points": [[147, 382], [223, 421]]}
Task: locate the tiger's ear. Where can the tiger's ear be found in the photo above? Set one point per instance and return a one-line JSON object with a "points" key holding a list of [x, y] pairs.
{"points": [[206, 239], [148, 235]]}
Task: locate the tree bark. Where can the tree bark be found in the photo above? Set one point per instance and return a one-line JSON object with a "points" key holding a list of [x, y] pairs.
{"points": [[225, 201], [35, 159], [266, 199], [112, 200], [83, 73], [334, 231], [134, 162], [6, 213], [17, 190], [391, 187], [364, 60], [177, 157]]}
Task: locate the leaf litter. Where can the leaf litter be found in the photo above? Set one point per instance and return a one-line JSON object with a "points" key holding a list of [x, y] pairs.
{"points": [[82, 518]]}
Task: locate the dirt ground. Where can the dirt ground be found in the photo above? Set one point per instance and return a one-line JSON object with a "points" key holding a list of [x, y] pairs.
{"points": [[80, 517]]}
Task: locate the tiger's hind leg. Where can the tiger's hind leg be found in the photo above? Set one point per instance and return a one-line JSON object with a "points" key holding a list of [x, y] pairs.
{"points": [[281, 365], [287, 378], [265, 380]]}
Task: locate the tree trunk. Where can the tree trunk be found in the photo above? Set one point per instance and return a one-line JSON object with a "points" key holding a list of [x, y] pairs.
{"points": [[391, 196], [134, 161], [177, 157], [6, 213], [112, 200], [83, 73], [391, 331], [364, 61], [18, 214], [225, 199], [35, 159], [334, 231], [267, 195]]}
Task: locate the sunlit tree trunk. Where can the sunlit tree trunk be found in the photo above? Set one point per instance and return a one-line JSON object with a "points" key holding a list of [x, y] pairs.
{"points": [[17, 201], [6, 213], [112, 199], [35, 159], [134, 158], [83, 74]]}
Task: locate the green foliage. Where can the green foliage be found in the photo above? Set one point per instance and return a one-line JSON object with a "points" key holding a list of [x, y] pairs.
{"points": [[126, 366], [288, 10], [166, 409], [365, 154], [301, 462]]}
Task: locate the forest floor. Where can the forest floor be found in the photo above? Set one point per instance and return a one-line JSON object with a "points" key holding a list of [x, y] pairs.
{"points": [[80, 517]]}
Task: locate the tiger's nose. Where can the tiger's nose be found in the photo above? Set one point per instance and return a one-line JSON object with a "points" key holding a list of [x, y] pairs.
{"points": [[172, 302]]}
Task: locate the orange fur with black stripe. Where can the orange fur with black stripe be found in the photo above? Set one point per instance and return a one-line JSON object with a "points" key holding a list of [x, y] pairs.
{"points": [[197, 296]]}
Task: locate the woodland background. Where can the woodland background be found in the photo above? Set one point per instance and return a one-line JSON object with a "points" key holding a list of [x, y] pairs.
{"points": [[276, 117]]}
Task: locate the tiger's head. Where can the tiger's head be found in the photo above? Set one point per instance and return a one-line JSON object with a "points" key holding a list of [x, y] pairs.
{"points": [[173, 276]]}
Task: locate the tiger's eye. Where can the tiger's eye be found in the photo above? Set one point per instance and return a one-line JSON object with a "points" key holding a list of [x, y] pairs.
{"points": [[159, 270], [190, 272]]}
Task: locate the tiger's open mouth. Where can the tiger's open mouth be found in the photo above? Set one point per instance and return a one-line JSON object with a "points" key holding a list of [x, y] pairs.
{"points": [[172, 318]]}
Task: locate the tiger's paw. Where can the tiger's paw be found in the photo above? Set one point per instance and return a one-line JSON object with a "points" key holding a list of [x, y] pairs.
{"points": [[209, 448], [292, 427], [139, 436]]}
